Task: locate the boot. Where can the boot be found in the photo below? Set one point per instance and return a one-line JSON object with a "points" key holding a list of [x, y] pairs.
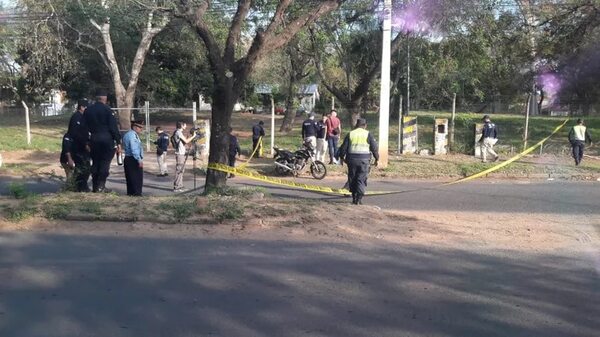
{"points": [[359, 199], [353, 198]]}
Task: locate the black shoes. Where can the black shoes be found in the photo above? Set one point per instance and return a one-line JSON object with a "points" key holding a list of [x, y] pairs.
{"points": [[162, 175]]}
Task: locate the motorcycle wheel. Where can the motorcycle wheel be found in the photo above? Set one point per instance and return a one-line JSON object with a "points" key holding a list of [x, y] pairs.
{"points": [[280, 170], [318, 170]]}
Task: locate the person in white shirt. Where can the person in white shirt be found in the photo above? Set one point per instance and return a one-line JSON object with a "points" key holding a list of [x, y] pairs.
{"points": [[180, 151]]}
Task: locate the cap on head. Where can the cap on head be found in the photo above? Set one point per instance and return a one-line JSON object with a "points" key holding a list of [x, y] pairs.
{"points": [[579, 121], [361, 122], [261, 123], [311, 116], [486, 118], [138, 123], [82, 103]]}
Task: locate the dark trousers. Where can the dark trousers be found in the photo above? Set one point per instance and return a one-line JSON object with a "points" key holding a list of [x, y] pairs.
{"points": [[578, 147], [100, 168], [232, 160], [134, 176], [256, 147], [82, 171], [332, 143], [358, 171]]}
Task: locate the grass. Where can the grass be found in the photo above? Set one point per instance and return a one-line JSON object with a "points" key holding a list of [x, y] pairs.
{"points": [[18, 190]]}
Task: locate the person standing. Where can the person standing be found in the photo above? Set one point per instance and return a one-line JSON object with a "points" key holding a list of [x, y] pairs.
{"points": [[321, 139], [258, 131], [489, 138], [180, 141], [134, 159], [334, 132], [234, 150], [81, 150], [104, 137], [66, 158], [356, 151], [162, 145], [578, 136], [309, 131]]}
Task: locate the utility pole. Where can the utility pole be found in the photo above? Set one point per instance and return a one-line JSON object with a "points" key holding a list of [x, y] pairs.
{"points": [[407, 74], [384, 96]]}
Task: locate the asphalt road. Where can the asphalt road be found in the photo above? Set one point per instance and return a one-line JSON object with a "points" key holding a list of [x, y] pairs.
{"points": [[56, 285]]}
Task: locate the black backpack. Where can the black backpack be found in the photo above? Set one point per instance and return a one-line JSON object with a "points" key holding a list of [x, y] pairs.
{"points": [[174, 140]]}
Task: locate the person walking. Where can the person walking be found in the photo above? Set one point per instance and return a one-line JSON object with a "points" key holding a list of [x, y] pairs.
{"points": [[489, 138], [321, 139], [258, 131], [134, 159], [334, 132], [162, 145], [234, 150], [104, 137], [578, 136], [356, 150], [179, 143], [81, 150], [309, 131]]}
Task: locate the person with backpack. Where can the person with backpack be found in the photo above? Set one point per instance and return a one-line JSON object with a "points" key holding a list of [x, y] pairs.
{"points": [[162, 145], [179, 141]]}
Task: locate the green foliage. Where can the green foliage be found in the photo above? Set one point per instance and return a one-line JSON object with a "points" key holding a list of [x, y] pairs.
{"points": [[18, 190], [91, 207], [180, 208]]}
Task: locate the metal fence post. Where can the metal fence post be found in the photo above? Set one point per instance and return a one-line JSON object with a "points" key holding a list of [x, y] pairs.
{"points": [[194, 116], [147, 112]]}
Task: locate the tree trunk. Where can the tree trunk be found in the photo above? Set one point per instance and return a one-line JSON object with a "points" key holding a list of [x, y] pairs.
{"points": [[354, 112], [125, 101], [222, 108], [290, 112]]}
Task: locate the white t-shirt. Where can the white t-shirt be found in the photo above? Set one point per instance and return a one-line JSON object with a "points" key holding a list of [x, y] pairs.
{"points": [[180, 144]]}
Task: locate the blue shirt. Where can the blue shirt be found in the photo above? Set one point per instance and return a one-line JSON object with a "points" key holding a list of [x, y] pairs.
{"points": [[132, 145]]}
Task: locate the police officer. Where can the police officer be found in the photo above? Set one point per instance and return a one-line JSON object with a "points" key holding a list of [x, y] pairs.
{"points": [[104, 136], [356, 151], [80, 136], [309, 131], [258, 131], [578, 136], [134, 159]]}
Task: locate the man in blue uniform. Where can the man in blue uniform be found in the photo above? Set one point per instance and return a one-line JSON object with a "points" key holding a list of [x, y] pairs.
{"points": [[162, 145], [104, 137], [489, 138], [258, 131], [356, 151], [66, 158], [81, 149], [134, 159], [309, 131], [234, 150]]}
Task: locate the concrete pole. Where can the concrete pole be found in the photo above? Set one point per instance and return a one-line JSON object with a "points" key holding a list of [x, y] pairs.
{"points": [[452, 121], [384, 96], [147, 113], [194, 109], [27, 126], [272, 124], [407, 75], [332, 102], [527, 112]]}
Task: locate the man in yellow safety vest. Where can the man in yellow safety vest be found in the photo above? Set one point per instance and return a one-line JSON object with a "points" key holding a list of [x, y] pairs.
{"points": [[356, 151], [578, 137]]}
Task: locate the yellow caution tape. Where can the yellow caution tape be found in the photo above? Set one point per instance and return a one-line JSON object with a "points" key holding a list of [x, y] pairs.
{"points": [[241, 171], [511, 160], [253, 153], [277, 181]]}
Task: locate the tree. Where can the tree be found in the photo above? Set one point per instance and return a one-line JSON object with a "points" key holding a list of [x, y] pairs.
{"points": [[272, 28], [96, 33]]}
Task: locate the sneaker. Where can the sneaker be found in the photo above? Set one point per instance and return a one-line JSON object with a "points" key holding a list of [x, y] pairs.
{"points": [[180, 190], [165, 175]]}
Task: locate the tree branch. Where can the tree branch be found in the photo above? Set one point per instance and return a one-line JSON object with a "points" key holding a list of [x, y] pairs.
{"points": [[235, 30]]}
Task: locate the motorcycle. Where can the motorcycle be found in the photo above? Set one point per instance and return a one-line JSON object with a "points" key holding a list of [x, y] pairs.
{"points": [[297, 162]]}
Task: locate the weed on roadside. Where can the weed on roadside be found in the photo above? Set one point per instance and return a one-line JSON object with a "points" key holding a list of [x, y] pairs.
{"points": [[18, 190], [56, 211], [27, 208], [178, 208], [90, 207]]}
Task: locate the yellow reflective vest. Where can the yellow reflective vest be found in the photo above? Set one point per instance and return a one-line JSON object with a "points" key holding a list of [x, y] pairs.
{"points": [[359, 143]]}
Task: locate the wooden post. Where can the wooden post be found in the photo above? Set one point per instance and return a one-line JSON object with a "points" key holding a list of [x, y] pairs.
{"points": [[400, 128], [452, 122]]}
